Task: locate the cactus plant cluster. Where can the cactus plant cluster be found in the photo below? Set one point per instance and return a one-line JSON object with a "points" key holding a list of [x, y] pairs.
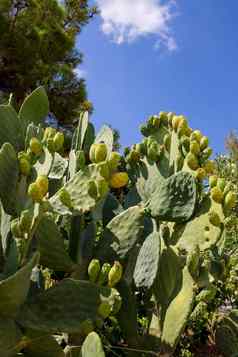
{"points": [[85, 232]]}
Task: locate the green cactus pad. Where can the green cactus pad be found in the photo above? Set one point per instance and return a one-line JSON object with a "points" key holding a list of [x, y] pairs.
{"points": [[111, 208], [178, 313], [35, 108], [44, 163], [175, 198], [147, 263], [80, 132], [41, 345], [10, 338], [64, 307], [10, 128], [58, 167], [8, 178], [199, 231], [92, 346], [14, 289], [121, 234], [51, 247]]}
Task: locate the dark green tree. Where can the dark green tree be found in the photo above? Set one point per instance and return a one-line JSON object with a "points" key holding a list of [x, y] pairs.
{"points": [[37, 47]]}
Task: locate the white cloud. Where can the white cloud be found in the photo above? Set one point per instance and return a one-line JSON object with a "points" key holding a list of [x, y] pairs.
{"points": [[127, 20], [79, 72]]}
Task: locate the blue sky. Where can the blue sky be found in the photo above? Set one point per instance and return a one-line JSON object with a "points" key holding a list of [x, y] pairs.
{"points": [[144, 56]]}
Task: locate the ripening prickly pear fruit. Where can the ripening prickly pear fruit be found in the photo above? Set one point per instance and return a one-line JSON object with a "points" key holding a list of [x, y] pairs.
{"points": [[221, 183], [49, 133], [204, 142], [192, 161], [134, 156], [35, 146], [86, 327], [117, 303], [104, 310], [103, 169], [206, 153], [194, 147], [15, 228], [65, 198], [217, 194], [185, 142], [26, 221], [167, 141], [156, 121], [58, 141], [175, 122], [230, 200], [98, 152], [102, 187], [35, 192], [115, 274], [210, 167], [92, 189], [80, 160], [25, 167], [196, 135], [114, 160], [119, 179], [213, 180], [50, 145], [200, 174], [94, 270], [214, 218], [144, 130], [103, 276], [141, 148], [43, 182]]}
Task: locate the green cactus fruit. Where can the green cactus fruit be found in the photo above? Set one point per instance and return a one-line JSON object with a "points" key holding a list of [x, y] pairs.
{"points": [[167, 141], [185, 142], [119, 180], [58, 141], [25, 167], [164, 116], [217, 194], [210, 167], [26, 221], [92, 189], [104, 310], [35, 192], [196, 135], [192, 161], [24, 155], [141, 148], [114, 160], [214, 218], [134, 156], [165, 233], [49, 133], [194, 147], [204, 143], [199, 311], [35, 146], [80, 160], [193, 262], [15, 228], [152, 152], [50, 145], [156, 121], [103, 276], [102, 187], [98, 152], [86, 327], [207, 295], [206, 153], [144, 130], [230, 200], [43, 182], [115, 274], [200, 174], [104, 170], [213, 181], [117, 302], [175, 122], [221, 183], [182, 126], [94, 270], [65, 198]]}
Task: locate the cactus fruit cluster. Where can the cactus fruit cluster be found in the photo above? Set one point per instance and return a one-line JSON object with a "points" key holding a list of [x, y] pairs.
{"points": [[85, 232]]}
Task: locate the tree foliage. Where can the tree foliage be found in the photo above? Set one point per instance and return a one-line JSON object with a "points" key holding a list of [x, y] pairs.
{"points": [[37, 47]]}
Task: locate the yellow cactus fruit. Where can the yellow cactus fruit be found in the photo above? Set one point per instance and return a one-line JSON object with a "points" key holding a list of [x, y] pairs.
{"points": [[119, 179], [196, 135], [194, 147], [98, 152], [200, 174], [175, 122], [115, 274], [213, 180], [43, 182], [35, 192], [204, 142], [214, 218], [35, 146], [49, 133], [210, 167], [114, 160], [217, 194], [25, 167], [192, 161], [230, 200], [58, 141]]}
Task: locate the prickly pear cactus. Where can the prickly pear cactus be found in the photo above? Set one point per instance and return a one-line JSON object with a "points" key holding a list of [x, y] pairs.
{"points": [[94, 242]]}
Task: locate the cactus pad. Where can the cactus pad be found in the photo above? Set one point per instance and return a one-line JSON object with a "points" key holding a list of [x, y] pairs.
{"points": [[92, 346]]}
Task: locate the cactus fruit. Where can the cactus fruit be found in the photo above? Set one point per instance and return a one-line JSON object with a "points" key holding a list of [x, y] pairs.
{"points": [[204, 142], [114, 160], [94, 270], [196, 135], [117, 302], [35, 192], [115, 274], [119, 180], [26, 221], [58, 141], [221, 183], [43, 183], [103, 276], [50, 145], [102, 187], [104, 310], [213, 181], [175, 122], [194, 147], [98, 153], [25, 167], [49, 133], [206, 153], [199, 311], [144, 130], [214, 218], [209, 167], [230, 200], [35, 146], [217, 194], [192, 161], [65, 197], [200, 174]]}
